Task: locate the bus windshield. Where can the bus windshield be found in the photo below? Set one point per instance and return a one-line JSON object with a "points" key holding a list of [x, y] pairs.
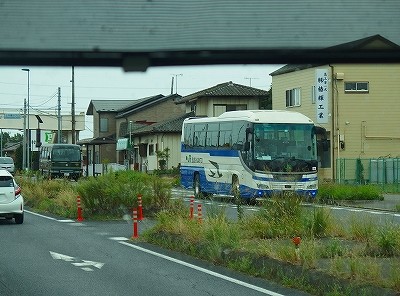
{"points": [[277, 140], [66, 154]]}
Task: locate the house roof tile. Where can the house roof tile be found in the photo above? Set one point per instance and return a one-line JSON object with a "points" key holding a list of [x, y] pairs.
{"points": [[144, 103], [173, 125], [364, 43], [225, 90], [107, 105]]}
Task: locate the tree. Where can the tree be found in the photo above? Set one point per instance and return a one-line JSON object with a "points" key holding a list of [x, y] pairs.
{"points": [[266, 103], [163, 158], [5, 138], [17, 138]]}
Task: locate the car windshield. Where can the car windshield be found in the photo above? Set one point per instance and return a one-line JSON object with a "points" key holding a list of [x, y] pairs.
{"points": [[284, 140], [66, 154], [6, 160]]}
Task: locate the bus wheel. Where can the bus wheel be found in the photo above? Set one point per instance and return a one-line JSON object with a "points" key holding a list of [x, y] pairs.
{"points": [[196, 185], [235, 186]]}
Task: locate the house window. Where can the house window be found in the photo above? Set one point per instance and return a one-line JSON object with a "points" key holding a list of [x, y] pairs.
{"points": [[103, 125], [236, 107], [221, 108], [293, 97], [151, 149], [313, 94], [356, 87]]}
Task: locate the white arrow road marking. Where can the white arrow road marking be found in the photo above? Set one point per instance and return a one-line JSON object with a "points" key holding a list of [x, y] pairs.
{"points": [[88, 263], [84, 264], [58, 256]]}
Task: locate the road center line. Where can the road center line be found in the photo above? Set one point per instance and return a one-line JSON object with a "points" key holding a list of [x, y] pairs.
{"points": [[212, 273]]}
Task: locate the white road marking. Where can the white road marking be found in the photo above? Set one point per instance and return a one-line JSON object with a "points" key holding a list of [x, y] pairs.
{"points": [[212, 273], [59, 256], [76, 224], [120, 238], [89, 263], [84, 265], [43, 216], [66, 221], [354, 210]]}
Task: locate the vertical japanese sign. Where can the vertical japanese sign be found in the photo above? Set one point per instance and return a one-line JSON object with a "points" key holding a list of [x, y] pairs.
{"points": [[321, 93]]}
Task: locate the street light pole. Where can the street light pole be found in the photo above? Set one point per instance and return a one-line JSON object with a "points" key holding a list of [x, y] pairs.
{"points": [[28, 165], [130, 144], [24, 140]]}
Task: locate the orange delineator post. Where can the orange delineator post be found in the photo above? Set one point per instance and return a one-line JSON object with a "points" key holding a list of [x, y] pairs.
{"points": [[135, 223], [140, 208], [78, 202], [199, 214], [191, 207]]}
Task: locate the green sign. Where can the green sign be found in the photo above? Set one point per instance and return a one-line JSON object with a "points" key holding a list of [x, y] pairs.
{"points": [[48, 137]]}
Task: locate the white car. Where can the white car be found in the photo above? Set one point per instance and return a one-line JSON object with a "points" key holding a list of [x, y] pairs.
{"points": [[7, 163], [11, 200]]}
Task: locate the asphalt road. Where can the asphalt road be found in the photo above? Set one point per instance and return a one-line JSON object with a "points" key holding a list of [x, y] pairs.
{"points": [[54, 256]]}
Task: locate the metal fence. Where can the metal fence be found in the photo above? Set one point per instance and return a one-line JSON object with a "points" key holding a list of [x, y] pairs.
{"points": [[381, 171]]}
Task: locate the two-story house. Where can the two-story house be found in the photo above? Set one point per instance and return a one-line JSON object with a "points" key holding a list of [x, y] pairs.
{"points": [[223, 97], [102, 146], [356, 104], [139, 146]]}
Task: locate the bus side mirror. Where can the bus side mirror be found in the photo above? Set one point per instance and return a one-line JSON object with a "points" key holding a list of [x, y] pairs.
{"points": [[248, 131], [246, 146]]}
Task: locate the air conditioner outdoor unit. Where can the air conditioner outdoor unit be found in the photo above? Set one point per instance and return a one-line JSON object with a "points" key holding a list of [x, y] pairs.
{"points": [[339, 76]]}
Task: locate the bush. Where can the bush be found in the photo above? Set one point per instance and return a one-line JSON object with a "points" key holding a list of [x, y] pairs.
{"points": [[331, 191], [116, 193]]}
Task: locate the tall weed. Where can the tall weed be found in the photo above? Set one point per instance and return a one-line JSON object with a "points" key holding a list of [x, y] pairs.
{"points": [[319, 222], [280, 217]]}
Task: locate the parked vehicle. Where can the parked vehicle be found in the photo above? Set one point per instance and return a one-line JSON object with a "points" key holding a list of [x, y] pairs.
{"points": [[252, 153], [7, 163], [60, 161], [11, 200]]}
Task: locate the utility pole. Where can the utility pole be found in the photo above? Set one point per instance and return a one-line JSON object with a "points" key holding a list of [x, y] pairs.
{"points": [[73, 107], [24, 140], [59, 116], [172, 85], [28, 154]]}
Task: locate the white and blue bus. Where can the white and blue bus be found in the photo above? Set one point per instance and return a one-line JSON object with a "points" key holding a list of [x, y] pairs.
{"points": [[254, 153]]}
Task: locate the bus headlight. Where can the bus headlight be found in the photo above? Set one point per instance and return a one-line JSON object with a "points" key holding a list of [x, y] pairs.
{"points": [[312, 186], [262, 186]]}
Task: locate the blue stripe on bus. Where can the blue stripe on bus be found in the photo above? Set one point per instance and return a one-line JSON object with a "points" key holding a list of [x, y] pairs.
{"points": [[214, 152], [304, 179]]}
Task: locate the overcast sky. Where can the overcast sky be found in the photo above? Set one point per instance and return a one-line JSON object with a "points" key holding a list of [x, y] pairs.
{"points": [[113, 83]]}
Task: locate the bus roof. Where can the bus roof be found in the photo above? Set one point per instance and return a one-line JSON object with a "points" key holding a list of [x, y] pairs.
{"points": [[258, 116], [59, 145]]}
